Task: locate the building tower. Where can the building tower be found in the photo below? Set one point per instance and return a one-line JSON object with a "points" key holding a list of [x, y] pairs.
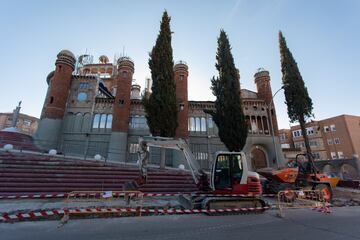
{"points": [[55, 102], [121, 110], [181, 76], [262, 81]]}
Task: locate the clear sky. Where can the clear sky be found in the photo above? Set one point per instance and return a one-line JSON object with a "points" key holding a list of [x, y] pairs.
{"points": [[323, 35]]}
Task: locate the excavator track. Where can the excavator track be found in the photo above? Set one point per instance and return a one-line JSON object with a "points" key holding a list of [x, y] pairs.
{"points": [[252, 205]]}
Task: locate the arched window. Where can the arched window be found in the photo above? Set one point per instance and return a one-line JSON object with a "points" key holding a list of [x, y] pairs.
{"points": [[78, 122], [197, 125], [203, 124], [210, 123], [69, 122], [86, 122], [102, 121], [192, 124], [96, 121], [109, 121]]}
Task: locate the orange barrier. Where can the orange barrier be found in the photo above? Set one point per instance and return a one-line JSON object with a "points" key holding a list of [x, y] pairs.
{"points": [[296, 199]]}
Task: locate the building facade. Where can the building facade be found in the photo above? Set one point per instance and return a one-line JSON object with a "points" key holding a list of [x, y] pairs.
{"points": [[96, 109], [333, 138], [25, 124]]}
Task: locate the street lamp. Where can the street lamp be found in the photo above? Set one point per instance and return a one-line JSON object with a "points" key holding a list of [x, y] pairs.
{"points": [[271, 122]]}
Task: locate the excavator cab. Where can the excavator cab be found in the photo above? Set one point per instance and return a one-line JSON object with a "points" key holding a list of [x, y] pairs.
{"points": [[229, 174]]}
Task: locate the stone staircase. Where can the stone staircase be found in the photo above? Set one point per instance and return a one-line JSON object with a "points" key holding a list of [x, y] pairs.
{"points": [[19, 141], [24, 173]]}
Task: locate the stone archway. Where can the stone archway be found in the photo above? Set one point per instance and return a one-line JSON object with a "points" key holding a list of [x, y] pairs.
{"points": [[348, 172], [258, 158]]}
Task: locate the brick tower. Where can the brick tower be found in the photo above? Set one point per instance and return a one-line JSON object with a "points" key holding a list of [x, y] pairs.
{"points": [[55, 102], [121, 110], [262, 81], [181, 76]]}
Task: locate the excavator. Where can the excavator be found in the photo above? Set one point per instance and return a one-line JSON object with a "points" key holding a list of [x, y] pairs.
{"points": [[228, 185]]}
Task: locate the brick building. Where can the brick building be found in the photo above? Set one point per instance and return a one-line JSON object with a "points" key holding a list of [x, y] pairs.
{"points": [[25, 124], [95, 108], [333, 138]]}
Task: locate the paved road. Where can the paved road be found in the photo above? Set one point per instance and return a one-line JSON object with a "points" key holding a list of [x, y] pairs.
{"points": [[342, 223]]}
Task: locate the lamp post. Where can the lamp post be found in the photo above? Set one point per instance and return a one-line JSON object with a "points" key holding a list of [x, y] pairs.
{"points": [[271, 122]]}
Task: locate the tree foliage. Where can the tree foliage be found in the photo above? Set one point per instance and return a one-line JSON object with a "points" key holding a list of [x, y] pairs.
{"points": [[299, 104], [161, 106], [228, 114]]}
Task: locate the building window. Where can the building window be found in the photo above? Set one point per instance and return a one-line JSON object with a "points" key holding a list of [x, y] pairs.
{"points": [[297, 133], [197, 124], [310, 131], [109, 121], [210, 123], [201, 155], [285, 145], [333, 128], [299, 145], [326, 129], [27, 123], [337, 141], [203, 124], [313, 143], [191, 124], [330, 142], [82, 96], [51, 100], [96, 121], [84, 85], [181, 77], [138, 122], [283, 137], [102, 121], [124, 74], [341, 155], [133, 147], [113, 91], [316, 155], [333, 155]]}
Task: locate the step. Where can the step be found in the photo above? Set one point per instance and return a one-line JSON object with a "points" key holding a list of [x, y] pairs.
{"points": [[64, 176], [64, 180], [56, 185], [151, 177], [168, 190], [174, 185], [59, 171]]}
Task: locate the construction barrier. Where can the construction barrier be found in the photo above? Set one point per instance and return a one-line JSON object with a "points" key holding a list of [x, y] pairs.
{"points": [[37, 215], [84, 194], [104, 195], [296, 199]]}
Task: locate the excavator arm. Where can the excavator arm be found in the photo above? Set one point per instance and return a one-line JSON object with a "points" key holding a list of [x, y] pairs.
{"points": [[145, 143]]}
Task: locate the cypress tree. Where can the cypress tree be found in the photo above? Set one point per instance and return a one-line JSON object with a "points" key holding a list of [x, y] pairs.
{"points": [[228, 114], [161, 106], [299, 104]]}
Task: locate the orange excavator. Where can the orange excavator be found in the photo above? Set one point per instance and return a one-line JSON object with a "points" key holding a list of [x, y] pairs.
{"points": [[299, 174]]}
